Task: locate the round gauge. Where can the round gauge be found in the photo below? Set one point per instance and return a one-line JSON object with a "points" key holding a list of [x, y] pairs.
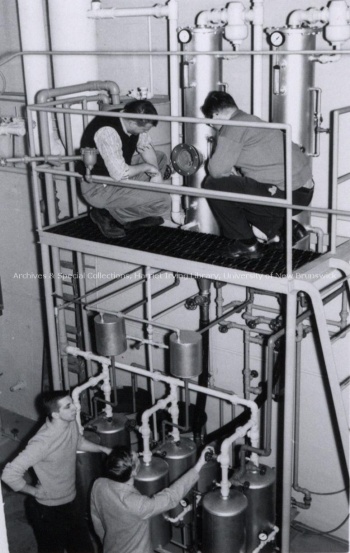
{"points": [[184, 36], [277, 38], [262, 536], [185, 159]]}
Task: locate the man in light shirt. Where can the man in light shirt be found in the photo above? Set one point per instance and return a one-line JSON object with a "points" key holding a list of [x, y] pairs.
{"points": [[121, 515], [125, 151], [57, 519]]}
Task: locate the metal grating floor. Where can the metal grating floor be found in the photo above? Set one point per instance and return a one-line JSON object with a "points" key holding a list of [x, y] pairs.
{"points": [[187, 245]]}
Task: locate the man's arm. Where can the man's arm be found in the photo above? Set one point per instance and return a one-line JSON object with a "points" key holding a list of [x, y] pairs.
{"points": [[146, 150], [86, 445], [224, 158], [13, 474], [147, 507], [110, 148]]}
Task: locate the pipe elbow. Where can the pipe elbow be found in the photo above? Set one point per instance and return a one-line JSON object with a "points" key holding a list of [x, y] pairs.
{"points": [[42, 96]]}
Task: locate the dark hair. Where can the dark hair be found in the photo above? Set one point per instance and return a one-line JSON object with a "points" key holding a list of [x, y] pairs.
{"points": [[142, 106], [50, 401], [119, 464], [216, 101]]}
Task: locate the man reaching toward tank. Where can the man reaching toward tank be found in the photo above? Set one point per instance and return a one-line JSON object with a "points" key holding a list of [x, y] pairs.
{"points": [[121, 514]]}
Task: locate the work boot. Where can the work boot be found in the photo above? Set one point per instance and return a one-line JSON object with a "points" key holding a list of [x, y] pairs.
{"points": [[107, 225], [249, 248]]}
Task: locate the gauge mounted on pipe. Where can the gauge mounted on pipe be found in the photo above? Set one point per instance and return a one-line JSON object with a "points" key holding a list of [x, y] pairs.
{"points": [[184, 36], [186, 159], [277, 38]]}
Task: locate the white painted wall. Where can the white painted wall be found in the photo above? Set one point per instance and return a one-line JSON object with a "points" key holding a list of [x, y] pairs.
{"points": [[21, 325]]}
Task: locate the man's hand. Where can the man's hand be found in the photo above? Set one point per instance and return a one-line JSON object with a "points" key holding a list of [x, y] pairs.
{"points": [[146, 150], [206, 455], [156, 178]]}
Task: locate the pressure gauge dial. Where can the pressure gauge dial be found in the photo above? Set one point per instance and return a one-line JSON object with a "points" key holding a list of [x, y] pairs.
{"points": [[277, 38], [184, 36]]}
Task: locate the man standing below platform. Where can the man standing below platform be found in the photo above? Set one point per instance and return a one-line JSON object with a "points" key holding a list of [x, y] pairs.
{"points": [[58, 521], [125, 151], [251, 160]]}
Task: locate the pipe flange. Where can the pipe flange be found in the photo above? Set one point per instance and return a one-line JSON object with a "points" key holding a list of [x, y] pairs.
{"points": [[186, 159]]}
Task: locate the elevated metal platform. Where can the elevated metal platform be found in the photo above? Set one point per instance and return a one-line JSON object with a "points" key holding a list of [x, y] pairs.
{"points": [[197, 254]]}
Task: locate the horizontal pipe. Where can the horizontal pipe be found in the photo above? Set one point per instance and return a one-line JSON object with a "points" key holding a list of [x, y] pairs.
{"points": [[132, 318], [180, 53], [197, 192], [159, 377]]}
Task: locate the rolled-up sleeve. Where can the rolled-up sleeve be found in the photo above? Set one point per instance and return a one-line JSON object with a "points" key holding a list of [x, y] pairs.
{"points": [[109, 146]]}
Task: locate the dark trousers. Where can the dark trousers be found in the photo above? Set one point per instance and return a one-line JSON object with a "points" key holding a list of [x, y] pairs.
{"points": [[60, 528], [236, 219]]}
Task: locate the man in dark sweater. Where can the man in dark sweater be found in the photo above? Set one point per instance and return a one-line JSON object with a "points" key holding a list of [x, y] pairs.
{"points": [[121, 514], [125, 151], [251, 160], [57, 519]]}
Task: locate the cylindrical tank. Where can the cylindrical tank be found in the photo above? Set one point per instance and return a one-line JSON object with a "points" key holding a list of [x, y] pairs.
{"points": [[223, 522], [293, 81], [89, 466], [201, 74], [209, 474], [261, 495], [180, 456], [186, 354], [149, 480], [110, 334], [112, 430]]}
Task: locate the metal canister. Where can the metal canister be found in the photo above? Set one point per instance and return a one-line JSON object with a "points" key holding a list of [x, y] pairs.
{"points": [[224, 522], [260, 490], [209, 474], [180, 456], [110, 335], [89, 466], [149, 480], [112, 430], [185, 354]]}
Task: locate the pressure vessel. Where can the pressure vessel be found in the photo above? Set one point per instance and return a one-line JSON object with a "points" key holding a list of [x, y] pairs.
{"points": [[200, 75], [149, 480], [89, 466], [110, 335], [180, 456], [186, 354], [224, 522], [260, 490], [112, 430]]}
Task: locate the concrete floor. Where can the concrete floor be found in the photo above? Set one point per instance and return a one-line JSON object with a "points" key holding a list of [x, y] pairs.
{"points": [[15, 430]]}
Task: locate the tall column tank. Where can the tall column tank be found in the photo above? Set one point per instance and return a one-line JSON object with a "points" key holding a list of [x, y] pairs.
{"points": [[201, 74]]}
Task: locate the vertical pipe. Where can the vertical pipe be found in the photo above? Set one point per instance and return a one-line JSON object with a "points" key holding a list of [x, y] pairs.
{"points": [[4, 546], [149, 344], [258, 21], [288, 434], [75, 212], [334, 182], [32, 24], [203, 379], [46, 262], [174, 102]]}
